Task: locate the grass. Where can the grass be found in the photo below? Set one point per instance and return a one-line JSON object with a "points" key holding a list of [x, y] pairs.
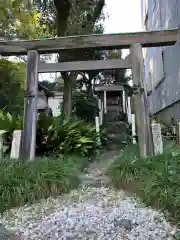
{"points": [[155, 179], [28, 182]]}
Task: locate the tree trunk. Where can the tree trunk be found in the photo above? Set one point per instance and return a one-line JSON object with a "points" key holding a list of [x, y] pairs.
{"points": [[63, 8], [67, 97], [69, 82], [89, 88]]}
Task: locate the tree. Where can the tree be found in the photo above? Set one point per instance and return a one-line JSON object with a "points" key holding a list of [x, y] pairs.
{"points": [[72, 18], [58, 18], [88, 76], [20, 19], [12, 86], [89, 14], [116, 76], [53, 86]]}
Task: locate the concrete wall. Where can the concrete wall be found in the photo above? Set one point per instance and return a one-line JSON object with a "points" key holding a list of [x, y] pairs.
{"points": [[162, 65], [169, 112], [42, 101]]}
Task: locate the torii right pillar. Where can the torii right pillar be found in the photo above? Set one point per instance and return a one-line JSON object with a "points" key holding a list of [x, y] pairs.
{"points": [[140, 99]]}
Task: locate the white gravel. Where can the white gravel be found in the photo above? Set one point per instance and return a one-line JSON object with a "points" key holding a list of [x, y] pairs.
{"points": [[88, 213]]}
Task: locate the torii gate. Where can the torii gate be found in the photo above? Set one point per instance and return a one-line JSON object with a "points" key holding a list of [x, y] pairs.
{"points": [[134, 41]]}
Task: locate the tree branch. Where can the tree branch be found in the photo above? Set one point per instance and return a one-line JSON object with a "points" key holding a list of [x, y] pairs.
{"points": [[92, 18], [97, 11], [63, 8]]}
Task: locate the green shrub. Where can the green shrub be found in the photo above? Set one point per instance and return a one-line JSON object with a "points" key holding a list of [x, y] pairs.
{"points": [[12, 85], [9, 123], [65, 136], [85, 107], [103, 136], [155, 179], [53, 134], [27, 182]]}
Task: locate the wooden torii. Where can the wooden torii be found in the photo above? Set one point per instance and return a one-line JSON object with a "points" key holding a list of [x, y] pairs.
{"points": [[134, 41]]}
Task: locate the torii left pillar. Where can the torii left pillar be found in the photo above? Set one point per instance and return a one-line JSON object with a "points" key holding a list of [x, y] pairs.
{"points": [[28, 142]]}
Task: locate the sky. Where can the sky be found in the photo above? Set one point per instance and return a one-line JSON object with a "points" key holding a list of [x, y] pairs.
{"points": [[124, 16]]}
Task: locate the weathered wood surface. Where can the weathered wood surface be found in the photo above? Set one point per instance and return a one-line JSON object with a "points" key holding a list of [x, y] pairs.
{"points": [[1, 146], [84, 65], [178, 134], [132, 105], [30, 115], [140, 102], [108, 88], [110, 41], [105, 102]]}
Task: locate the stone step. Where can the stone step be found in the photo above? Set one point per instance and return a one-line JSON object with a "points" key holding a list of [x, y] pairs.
{"points": [[117, 127], [95, 181], [116, 141], [114, 116], [117, 123], [115, 136], [115, 146]]}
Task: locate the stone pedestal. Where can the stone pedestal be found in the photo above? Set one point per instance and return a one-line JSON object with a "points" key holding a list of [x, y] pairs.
{"points": [[97, 130], [16, 143], [157, 138], [133, 129]]}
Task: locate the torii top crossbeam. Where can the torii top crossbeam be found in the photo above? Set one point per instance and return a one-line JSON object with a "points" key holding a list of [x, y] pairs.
{"points": [[110, 41]]}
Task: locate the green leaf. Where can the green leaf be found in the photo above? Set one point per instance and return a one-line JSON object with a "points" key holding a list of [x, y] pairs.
{"points": [[85, 140], [5, 148], [2, 132], [50, 127], [9, 117], [175, 154]]}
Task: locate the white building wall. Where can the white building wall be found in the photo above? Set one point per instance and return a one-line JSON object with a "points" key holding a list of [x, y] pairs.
{"points": [[55, 104], [162, 65]]}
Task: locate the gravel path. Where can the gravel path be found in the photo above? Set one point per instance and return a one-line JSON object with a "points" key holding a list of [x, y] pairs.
{"points": [[92, 212]]}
